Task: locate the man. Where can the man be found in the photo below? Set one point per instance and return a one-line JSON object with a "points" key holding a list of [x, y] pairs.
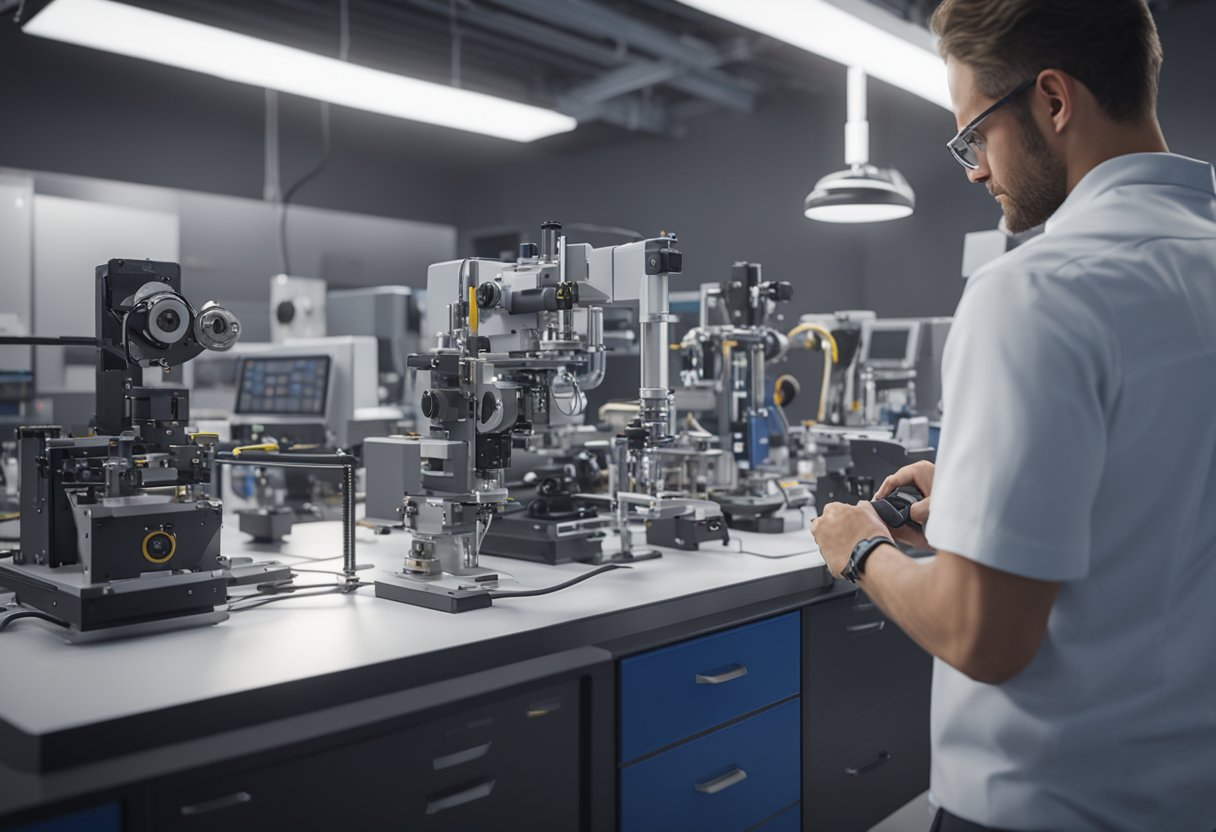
{"points": [[1071, 606]]}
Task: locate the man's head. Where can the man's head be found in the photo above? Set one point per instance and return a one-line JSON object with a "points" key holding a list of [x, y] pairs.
{"points": [[1093, 65]]}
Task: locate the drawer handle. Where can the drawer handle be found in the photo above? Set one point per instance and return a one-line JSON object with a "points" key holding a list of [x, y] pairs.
{"points": [[866, 768], [207, 806], [722, 783], [736, 671], [434, 807], [862, 629], [457, 758], [863, 606]]}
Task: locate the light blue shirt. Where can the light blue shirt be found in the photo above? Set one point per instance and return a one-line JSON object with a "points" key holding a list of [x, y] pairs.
{"points": [[1079, 445]]}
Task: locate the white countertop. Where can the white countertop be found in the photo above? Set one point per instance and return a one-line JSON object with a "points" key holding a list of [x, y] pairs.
{"points": [[48, 685]]}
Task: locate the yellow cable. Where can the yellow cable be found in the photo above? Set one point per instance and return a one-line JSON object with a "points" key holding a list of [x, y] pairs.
{"points": [[822, 331], [473, 320], [266, 446]]}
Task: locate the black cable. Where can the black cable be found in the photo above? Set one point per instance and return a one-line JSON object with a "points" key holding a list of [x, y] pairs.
{"points": [[20, 11], [528, 593], [41, 616], [319, 167], [312, 174]]}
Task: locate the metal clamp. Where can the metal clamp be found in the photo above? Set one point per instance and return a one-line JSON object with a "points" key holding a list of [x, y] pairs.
{"points": [[736, 671], [733, 777]]}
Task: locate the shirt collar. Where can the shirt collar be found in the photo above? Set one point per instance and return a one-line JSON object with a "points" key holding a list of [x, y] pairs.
{"points": [[1136, 169]]}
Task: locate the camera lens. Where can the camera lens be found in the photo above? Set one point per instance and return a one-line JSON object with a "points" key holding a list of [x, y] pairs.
{"points": [[159, 546], [168, 320]]}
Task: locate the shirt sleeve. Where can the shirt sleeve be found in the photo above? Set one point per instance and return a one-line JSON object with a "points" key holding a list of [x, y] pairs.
{"points": [[1023, 437]]}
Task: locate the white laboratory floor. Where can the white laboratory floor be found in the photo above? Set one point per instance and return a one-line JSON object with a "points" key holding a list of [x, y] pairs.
{"points": [[916, 816]]}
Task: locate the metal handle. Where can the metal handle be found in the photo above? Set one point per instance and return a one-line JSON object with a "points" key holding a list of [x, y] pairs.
{"points": [[721, 783], [228, 801], [460, 798], [862, 629], [866, 768], [457, 758], [863, 606], [736, 671]]}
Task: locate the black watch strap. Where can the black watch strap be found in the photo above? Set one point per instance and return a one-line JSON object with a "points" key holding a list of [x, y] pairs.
{"points": [[856, 566]]}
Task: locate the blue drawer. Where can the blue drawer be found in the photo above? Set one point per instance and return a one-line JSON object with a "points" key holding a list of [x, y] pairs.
{"points": [[674, 692], [788, 821], [105, 818], [728, 780]]}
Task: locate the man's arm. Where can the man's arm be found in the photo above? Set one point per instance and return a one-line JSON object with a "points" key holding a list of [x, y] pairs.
{"points": [[986, 623]]}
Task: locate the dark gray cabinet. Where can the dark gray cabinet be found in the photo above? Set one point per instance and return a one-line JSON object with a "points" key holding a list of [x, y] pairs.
{"points": [[865, 739]]}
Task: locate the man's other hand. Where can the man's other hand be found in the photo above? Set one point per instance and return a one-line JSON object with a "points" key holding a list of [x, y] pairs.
{"points": [[841, 527]]}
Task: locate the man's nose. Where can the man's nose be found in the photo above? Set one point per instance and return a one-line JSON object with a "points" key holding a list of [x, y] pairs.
{"points": [[980, 174]]}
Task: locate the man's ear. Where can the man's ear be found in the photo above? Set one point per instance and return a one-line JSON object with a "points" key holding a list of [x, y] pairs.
{"points": [[1054, 95]]}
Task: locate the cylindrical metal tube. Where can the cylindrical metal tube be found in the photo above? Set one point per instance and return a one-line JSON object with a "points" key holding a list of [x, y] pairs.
{"points": [[549, 232], [596, 363], [653, 348]]}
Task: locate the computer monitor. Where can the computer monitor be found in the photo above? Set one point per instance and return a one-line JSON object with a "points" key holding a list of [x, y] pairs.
{"points": [[890, 343], [295, 385]]}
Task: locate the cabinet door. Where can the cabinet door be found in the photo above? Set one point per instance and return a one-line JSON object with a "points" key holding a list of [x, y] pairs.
{"points": [[856, 658], [514, 764], [861, 770]]}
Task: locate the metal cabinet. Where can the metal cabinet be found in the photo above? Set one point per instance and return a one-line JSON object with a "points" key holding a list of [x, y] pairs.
{"points": [[865, 715], [709, 730], [511, 764]]}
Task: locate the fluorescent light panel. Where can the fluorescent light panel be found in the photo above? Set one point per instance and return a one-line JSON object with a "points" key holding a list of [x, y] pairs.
{"points": [[140, 33], [828, 30]]}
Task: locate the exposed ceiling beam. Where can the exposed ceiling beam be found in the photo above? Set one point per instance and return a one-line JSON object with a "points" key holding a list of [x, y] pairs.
{"points": [[699, 57]]}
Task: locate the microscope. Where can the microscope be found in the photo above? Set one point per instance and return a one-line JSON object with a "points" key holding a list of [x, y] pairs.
{"points": [[727, 353], [518, 348], [119, 534]]}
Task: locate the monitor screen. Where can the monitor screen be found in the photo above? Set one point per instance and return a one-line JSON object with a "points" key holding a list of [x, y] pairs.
{"points": [[888, 345], [292, 386]]}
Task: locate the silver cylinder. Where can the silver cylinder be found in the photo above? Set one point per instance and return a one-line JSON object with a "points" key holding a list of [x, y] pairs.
{"points": [[593, 376]]}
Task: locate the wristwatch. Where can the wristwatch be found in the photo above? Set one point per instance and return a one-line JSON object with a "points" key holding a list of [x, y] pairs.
{"points": [[857, 560]]}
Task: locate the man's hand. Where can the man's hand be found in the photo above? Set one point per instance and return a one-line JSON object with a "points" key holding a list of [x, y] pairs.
{"points": [[841, 527], [920, 476]]}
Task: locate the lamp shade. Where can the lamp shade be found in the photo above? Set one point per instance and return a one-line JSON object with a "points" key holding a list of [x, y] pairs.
{"points": [[863, 193]]}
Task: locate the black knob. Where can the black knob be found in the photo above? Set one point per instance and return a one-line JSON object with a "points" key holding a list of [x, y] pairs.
{"points": [[781, 291], [488, 295], [528, 251], [551, 225], [286, 312], [430, 405]]}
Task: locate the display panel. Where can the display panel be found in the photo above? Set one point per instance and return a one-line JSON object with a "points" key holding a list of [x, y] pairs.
{"points": [[888, 344], [290, 385]]}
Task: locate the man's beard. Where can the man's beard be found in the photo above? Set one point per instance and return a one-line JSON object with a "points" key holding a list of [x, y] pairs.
{"points": [[1037, 188]]}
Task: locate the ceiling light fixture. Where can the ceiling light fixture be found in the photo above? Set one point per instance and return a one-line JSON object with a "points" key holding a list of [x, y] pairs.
{"points": [[152, 36], [850, 32], [864, 192]]}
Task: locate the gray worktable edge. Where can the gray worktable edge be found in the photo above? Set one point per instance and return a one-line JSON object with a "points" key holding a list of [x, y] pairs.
{"points": [[26, 754]]}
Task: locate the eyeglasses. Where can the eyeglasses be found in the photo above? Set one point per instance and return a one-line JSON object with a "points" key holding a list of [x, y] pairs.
{"points": [[965, 143]]}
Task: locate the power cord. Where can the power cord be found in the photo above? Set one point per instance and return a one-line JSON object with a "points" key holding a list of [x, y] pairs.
{"points": [[9, 618], [529, 593]]}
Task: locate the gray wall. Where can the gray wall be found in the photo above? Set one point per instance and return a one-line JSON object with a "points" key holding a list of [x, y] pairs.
{"points": [[732, 189]]}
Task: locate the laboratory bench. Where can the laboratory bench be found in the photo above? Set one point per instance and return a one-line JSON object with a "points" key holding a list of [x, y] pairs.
{"points": [[704, 690]]}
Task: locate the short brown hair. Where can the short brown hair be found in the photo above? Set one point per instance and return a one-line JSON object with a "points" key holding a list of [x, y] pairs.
{"points": [[1110, 46]]}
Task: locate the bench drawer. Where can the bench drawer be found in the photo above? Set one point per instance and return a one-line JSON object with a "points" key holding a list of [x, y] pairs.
{"points": [[675, 692], [731, 779]]}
